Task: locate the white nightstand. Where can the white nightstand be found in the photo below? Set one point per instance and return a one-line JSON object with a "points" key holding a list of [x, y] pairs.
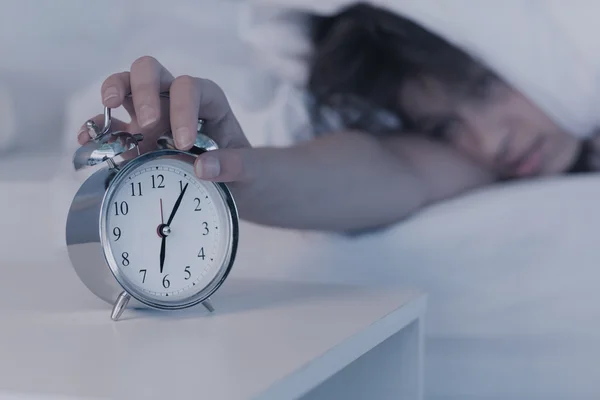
{"points": [[266, 340]]}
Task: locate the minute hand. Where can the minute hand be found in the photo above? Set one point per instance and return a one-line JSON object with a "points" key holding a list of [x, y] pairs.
{"points": [[177, 203]]}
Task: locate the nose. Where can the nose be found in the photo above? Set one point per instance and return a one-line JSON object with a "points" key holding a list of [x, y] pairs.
{"points": [[490, 138], [494, 145]]}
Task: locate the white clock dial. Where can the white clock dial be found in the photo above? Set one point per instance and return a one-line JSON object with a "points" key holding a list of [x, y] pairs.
{"points": [[165, 251]]}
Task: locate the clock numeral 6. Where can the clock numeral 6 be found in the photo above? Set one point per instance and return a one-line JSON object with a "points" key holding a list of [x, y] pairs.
{"points": [[165, 282]]}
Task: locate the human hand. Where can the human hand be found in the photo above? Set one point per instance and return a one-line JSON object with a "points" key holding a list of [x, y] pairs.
{"points": [[190, 98]]}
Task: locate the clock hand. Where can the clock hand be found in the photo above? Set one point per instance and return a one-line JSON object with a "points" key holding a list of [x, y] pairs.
{"points": [[162, 252], [162, 218], [165, 230], [177, 203], [161, 234]]}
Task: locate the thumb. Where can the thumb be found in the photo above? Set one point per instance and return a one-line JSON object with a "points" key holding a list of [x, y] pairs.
{"points": [[225, 165]]}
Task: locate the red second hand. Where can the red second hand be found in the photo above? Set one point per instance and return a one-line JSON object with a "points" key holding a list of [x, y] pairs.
{"points": [[162, 219]]}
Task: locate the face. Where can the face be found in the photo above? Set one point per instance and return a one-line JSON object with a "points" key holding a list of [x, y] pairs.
{"points": [[493, 124], [168, 233]]}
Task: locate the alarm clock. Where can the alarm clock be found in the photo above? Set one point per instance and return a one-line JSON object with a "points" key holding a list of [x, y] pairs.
{"points": [[143, 231]]}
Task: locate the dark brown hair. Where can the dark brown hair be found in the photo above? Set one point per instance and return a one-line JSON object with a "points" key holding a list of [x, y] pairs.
{"points": [[364, 54]]}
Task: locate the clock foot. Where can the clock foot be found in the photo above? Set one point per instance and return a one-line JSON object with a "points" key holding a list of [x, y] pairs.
{"points": [[208, 305], [120, 305]]}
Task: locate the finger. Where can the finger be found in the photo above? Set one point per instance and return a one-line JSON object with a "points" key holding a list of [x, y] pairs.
{"points": [[147, 79], [185, 102], [116, 125], [115, 93], [114, 89], [221, 124], [128, 106], [193, 98], [226, 165]]}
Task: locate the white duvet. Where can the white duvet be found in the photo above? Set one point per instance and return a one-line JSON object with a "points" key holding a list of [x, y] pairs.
{"points": [[511, 272]]}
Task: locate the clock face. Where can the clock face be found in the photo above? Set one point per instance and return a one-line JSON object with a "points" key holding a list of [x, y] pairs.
{"points": [[167, 235]]}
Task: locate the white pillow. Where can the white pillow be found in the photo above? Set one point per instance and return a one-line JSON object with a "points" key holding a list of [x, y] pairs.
{"points": [[545, 49]]}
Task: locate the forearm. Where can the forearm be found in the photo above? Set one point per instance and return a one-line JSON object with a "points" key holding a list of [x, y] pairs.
{"points": [[343, 182]]}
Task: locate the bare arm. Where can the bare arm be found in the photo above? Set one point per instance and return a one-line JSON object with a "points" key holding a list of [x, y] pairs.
{"points": [[350, 181]]}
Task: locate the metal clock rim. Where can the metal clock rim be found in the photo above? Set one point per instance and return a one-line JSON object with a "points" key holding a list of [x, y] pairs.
{"points": [[232, 219]]}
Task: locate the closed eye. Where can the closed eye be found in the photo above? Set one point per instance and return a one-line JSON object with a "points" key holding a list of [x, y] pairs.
{"points": [[442, 129]]}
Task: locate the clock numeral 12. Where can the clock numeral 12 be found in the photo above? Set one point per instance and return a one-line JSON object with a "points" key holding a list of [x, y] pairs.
{"points": [[161, 180]]}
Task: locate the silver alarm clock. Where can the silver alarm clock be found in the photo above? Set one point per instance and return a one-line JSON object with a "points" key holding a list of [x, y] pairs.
{"points": [[142, 230]]}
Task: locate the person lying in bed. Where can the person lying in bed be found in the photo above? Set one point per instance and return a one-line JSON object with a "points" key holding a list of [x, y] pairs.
{"points": [[464, 128]]}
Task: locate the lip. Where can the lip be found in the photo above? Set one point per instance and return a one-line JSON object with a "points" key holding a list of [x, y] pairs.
{"points": [[530, 163]]}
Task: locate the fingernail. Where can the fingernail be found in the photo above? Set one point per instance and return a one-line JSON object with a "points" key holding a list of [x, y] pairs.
{"points": [[208, 167], [110, 93], [182, 138], [146, 115]]}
